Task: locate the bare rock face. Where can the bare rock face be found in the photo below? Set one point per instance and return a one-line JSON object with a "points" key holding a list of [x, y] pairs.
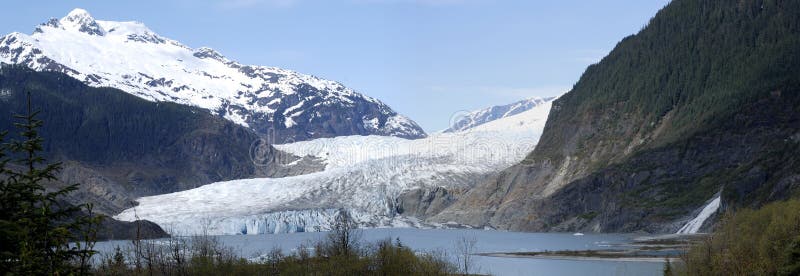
{"points": [[107, 196], [424, 203], [112, 229], [273, 163]]}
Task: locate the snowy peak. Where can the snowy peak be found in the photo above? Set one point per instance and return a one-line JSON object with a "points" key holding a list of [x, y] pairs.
{"points": [[476, 118], [134, 32], [80, 20], [205, 52], [287, 105], [78, 16]]}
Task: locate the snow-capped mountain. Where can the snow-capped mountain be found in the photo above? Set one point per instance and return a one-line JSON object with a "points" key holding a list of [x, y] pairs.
{"points": [[131, 57], [475, 118], [367, 175]]}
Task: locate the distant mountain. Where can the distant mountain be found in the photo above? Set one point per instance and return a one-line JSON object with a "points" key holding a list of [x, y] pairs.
{"points": [[698, 112], [284, 104], [482, 116]]}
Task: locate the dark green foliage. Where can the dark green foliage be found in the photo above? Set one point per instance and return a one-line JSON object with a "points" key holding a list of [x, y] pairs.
{"points": [[791, 263], [751, 242], [37, 225], [696, 60], [751, 166]]}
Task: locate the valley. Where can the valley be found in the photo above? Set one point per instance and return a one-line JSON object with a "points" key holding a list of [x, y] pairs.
{"points": [[679, 134]]}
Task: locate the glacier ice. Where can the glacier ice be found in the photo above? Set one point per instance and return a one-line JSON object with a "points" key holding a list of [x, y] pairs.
{"points": [[364, 175]]}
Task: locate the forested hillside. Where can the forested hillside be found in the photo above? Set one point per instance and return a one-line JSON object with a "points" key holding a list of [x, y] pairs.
{"points": [[702, 100]]}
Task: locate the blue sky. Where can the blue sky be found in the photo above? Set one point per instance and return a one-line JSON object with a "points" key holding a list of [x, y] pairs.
{"points": [[428, 59]]}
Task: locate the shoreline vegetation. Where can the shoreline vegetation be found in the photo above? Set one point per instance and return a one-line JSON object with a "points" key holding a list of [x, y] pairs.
{"points": [[341, 252], [764, 241]]}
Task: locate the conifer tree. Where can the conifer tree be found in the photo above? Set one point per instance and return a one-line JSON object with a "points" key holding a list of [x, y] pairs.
{"points": [[38, 225]]}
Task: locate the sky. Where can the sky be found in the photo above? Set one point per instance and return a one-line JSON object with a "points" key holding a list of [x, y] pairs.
{"points": [[427, 59]]}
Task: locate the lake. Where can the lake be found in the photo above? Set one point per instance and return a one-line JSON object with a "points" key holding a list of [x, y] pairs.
{"points": [[488, 241]]}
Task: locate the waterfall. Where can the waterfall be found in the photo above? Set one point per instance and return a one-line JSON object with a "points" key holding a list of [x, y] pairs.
{"points": [[694, 225]]}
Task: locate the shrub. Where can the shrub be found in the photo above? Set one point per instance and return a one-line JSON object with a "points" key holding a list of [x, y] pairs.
{"points": [[751, 242]]}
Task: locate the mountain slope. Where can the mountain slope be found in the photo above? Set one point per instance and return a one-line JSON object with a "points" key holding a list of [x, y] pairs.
{"points": [[703, 100], [284, 104], [120, 147], [482, 116], [383, 181]]}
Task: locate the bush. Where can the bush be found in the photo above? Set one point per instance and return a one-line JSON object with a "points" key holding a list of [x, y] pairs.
{"points": [[751, 242]]}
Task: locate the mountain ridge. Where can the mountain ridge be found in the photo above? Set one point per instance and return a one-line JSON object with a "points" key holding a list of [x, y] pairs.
{"points": [[284, 104], [482, 116]]}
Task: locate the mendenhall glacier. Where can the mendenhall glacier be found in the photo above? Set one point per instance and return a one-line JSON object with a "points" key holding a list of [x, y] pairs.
{"points": [[369, 176], [287, 105]]}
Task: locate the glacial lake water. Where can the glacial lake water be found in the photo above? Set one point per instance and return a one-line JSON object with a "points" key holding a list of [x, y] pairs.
{"points": [[488, 241]]}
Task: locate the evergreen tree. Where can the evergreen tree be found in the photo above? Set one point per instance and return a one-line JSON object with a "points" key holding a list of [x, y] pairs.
{"points": [[38, 225], [8, 229]]}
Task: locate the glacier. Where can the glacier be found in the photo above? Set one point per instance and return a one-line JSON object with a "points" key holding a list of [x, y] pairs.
{"points": [[364, 175]]}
